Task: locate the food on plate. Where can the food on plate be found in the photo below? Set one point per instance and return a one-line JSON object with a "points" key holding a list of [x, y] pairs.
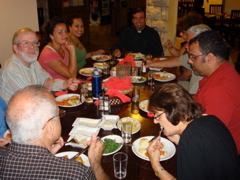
{"points": [[138, 79], [88, 71], [101, 65], [161, 76], [65, 156], [82, 141], [79, 159], [104, 57], [89, 100], [135, 55], [110, 145], [108, 123], [144, 143], [8, 135], [135, 123], [70, 101]]}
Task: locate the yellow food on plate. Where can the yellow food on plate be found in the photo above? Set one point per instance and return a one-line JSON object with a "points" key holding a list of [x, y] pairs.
{"points": [[79, 159], [70, 101], [102, 57], [143, 143], [161, 76]]}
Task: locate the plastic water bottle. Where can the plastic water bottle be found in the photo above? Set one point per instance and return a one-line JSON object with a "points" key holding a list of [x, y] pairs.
{"points": [[96, 83]]}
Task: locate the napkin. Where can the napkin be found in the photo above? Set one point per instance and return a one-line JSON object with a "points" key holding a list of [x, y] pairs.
{"points": [[115, 93], [128, 59], [59, 93], [118, 84]]}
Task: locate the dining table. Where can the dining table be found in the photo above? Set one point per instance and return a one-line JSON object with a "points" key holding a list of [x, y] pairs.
{"points": [[138, 168]]}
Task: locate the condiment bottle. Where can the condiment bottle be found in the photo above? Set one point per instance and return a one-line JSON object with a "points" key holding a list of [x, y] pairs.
{"points": [[144, 70], [96, 83]]}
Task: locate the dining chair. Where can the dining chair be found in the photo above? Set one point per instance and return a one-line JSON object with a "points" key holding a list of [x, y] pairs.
{"points": [[234, 27], [215, 9]]}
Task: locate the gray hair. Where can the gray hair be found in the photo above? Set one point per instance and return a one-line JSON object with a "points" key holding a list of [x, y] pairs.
{"points": [[15, 36], [28, 110], [198, 29]]}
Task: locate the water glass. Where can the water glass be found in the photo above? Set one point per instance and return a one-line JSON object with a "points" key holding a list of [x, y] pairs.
{"points": [[84, 89], [150, 79], [134, 71], [126, 129], [120, 161]]}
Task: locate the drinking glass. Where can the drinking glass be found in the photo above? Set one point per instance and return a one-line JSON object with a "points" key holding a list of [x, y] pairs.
{"points": [[120, 161], [126, 129]]}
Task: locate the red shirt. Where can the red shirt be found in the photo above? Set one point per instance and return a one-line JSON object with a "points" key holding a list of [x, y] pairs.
{"points": [[219, 94]]}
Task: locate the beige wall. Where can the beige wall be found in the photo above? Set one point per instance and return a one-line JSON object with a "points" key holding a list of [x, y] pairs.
{"points": [[231, 5], [15, 14]]}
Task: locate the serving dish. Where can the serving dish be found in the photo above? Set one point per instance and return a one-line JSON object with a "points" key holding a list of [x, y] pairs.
{"points": [[93, 123], [109, 122], [84, 130]]}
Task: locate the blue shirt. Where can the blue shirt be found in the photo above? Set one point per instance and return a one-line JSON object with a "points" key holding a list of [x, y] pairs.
{"points": [[3, 125]]}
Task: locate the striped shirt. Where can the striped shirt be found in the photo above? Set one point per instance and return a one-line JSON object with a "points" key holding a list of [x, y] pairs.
{"points": [[22, 161], [15, 75]]}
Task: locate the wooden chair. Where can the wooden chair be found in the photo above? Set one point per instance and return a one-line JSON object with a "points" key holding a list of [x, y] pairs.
{"points": [[234, 27]]}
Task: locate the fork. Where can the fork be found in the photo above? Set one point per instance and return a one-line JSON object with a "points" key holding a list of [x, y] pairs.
{"points": [[160, 133], [79, 153]]}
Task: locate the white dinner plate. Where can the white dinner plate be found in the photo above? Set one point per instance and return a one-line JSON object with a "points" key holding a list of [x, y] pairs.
{"points": [[155, 68], [70, 154], [7, 134], [101, 65], [169, 148], [138, 79], [136, 124], [137, 56], [66, 96], [144, 105], [118, 139], [86, 71], [101, 58], [168, 76]]}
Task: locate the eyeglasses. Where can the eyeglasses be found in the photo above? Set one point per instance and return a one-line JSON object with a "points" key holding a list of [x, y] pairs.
{"points": [[61, 114], [193, 57], [157, 116], [27, 44]]}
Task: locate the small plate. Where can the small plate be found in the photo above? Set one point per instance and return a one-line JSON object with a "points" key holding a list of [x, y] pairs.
{"points": [[163, 76], [93, 123], [138, 79], [169, 148], [101, 58], [144, 105], [7, 134], [118, 139], [66, 96], [70, 154], [109, 122], [136, 124], [155, 68]]}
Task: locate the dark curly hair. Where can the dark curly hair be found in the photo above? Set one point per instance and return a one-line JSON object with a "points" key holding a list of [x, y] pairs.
{"points": [[188, 21], [48, 29], [176, 102]]}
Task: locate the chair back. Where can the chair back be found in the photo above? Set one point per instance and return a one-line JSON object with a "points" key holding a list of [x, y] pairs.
{"points": [[215, 9], [235, 19]]}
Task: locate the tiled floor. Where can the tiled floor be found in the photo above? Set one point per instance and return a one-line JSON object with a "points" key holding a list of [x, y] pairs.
{"points": [[101, 37]]}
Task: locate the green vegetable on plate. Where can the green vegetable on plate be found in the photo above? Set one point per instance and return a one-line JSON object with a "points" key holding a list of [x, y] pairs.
{"points": [[110, 145]]}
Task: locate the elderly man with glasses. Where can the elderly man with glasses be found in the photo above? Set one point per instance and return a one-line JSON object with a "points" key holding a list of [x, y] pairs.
{"points": [[23, 69], [34, 121]]}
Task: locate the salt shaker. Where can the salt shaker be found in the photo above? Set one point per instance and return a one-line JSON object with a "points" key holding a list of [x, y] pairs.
{"points": [[107, 105]]}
